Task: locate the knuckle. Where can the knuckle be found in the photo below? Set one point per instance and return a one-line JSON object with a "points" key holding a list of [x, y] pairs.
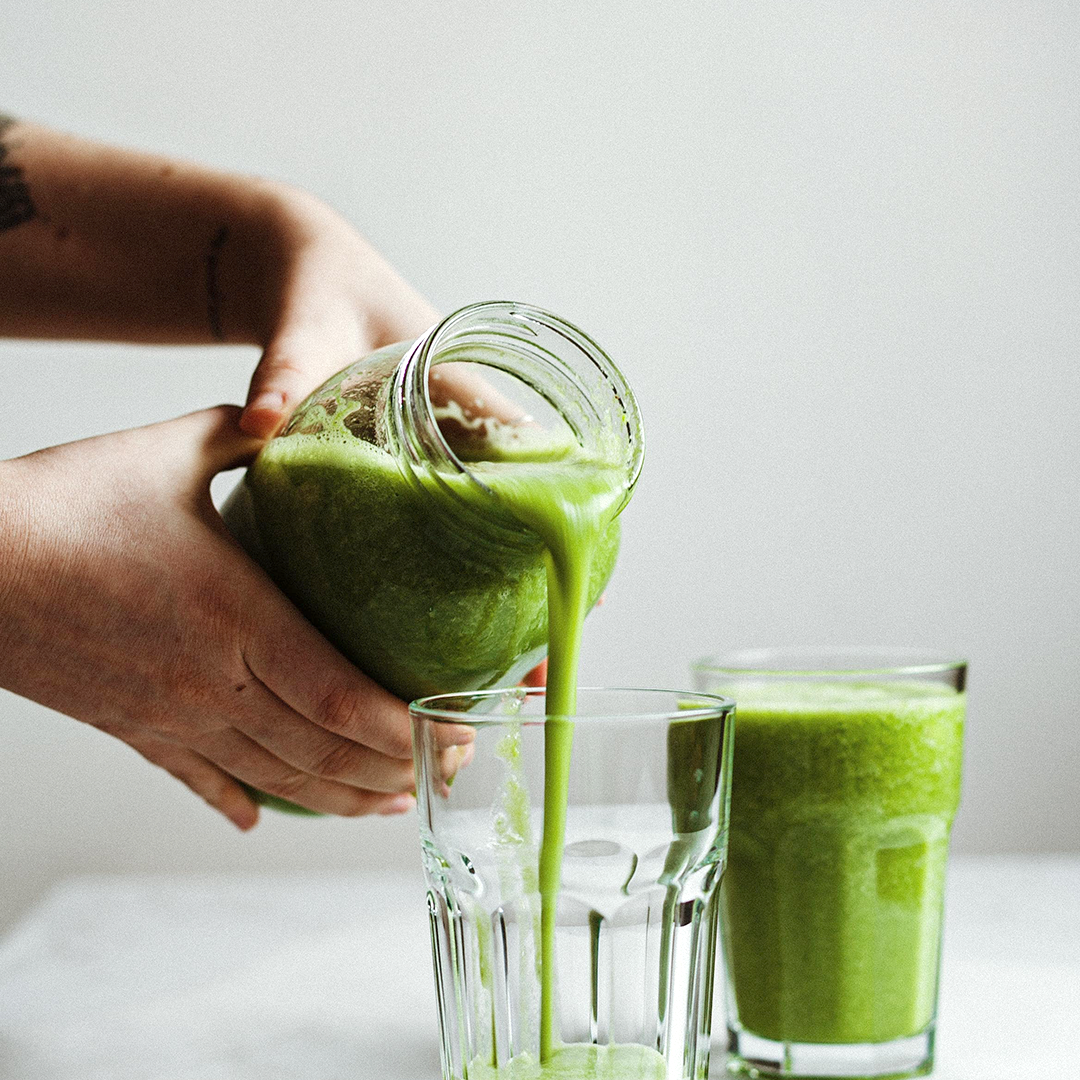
{"points": [[280, 365], [341, 711], [340, 762], [289, 784], [173, 724]]}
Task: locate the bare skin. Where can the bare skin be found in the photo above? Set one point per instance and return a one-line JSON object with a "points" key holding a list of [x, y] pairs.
{"points": [[123, 601]]}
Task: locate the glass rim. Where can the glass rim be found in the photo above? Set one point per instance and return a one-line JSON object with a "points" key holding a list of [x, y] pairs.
{"points": [[427, 708], [813, 662]]}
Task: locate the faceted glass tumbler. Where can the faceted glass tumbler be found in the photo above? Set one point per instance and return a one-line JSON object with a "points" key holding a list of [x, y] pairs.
{"points": [[635, 918], [846, 781]]}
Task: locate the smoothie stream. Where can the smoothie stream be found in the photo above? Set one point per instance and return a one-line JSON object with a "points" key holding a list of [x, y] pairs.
{"points": [[842, 800], [572, 510], [571, 516]]}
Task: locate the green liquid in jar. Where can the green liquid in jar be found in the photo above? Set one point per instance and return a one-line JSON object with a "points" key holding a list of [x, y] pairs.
{"points": [[349, 540]]}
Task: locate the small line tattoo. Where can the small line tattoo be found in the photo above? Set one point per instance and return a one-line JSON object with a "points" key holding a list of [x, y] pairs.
{"points": [[16, 206], [213, 292]]}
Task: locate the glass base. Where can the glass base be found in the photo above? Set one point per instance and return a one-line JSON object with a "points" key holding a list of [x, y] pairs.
{"points": [[750, 1055]]}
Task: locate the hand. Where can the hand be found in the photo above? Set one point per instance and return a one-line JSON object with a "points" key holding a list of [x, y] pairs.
{"points": [[126, 604], [118, 245], [328, 299]]}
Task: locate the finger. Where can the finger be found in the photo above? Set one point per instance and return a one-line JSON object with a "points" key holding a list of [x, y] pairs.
{"points": [[455, 758], [198, 446], [462, 383], [298, 359], [214, 785], [312, 749], [538, 675], [245, 759], [297, 664]]}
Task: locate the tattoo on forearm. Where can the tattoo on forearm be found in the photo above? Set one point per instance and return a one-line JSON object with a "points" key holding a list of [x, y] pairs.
{"points": [[213, 291], [16, 206]]}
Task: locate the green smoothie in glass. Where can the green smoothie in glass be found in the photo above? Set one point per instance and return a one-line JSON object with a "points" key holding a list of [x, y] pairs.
{"points": [[844, 790]]}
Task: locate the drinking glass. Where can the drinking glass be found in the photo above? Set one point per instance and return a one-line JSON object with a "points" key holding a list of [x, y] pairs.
{"points": [[846, 780], [611, 976]]}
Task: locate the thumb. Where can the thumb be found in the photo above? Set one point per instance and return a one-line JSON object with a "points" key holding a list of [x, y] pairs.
{"points": [[297, 361], [202, 444]]}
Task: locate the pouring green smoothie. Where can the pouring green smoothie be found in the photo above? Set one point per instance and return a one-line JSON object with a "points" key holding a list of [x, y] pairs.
{"points": [[442, 550]]}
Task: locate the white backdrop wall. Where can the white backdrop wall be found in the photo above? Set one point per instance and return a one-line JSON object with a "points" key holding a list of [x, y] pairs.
{"points": [[833, 245]]}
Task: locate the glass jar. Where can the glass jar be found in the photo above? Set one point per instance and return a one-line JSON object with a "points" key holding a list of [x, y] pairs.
{"points": [[378, 511]]}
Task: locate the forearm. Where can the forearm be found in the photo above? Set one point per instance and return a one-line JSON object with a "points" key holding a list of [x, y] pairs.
{"points": [[109, 244]]}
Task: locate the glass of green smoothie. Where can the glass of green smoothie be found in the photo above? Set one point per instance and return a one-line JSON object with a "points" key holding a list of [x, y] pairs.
{"points": [[619, 983], [846, 780]]}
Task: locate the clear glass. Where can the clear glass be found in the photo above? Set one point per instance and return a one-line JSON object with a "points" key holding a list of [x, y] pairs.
{"points": [[846, 781], [636, 916]]}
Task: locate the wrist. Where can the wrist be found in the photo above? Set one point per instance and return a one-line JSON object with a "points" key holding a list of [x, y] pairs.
{"points": [[306, 242], [279, 223], [14, 532]]}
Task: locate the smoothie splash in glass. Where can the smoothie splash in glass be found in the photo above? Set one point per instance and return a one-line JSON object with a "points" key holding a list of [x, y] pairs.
{"points": [[846, 781]]}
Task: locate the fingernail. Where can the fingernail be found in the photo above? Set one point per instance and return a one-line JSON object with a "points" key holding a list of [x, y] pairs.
{"points": [[451, 761], [460, 736], [269, 399], [400, 804], [263, 415], [457, 757]]}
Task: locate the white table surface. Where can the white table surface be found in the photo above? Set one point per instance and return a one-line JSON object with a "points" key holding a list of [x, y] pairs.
{"points": [[248, 978]]}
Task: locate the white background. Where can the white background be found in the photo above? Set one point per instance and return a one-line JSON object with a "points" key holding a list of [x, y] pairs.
{"points": [[834, 246]]}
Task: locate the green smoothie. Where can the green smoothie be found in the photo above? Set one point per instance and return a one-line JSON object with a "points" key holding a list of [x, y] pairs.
{"points": [[843, 795], [580, 1063], [357, 548]]}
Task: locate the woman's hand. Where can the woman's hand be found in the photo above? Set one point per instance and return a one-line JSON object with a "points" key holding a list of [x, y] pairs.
{"points": [[328, 299], [117, 245], [126, 604]]}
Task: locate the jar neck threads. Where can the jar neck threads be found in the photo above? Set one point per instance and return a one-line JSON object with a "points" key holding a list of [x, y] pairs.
{"points": [[554, 359]]}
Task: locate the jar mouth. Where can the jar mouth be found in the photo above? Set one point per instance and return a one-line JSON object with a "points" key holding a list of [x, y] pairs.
{"points": [[552, 358]]}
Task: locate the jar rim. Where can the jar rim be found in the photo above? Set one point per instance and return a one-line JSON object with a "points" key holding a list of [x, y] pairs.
{"points": [[416, 436]]}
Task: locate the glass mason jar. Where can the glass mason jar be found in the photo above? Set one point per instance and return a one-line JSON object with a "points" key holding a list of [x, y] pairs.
{"points": [[378, 512]]}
